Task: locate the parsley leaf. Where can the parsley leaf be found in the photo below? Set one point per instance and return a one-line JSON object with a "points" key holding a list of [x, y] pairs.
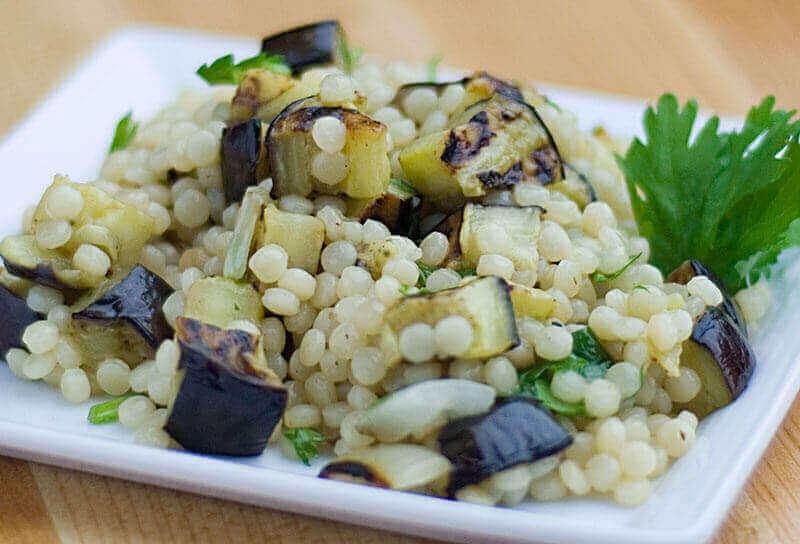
{"points": [[466, 272], [305, 442], [727, 199], [348, 55], [599, 277], [107, 412], [224, 71], [424, 272], [432, 67], [124, 133]]}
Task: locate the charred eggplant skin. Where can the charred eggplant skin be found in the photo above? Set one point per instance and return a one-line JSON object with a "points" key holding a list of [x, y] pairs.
{"points": [[15, 316], [515, 431], [356, 472], [137, 300], [225, 405], [305, 45], [718, 333], [241, 150], [689, 269]]}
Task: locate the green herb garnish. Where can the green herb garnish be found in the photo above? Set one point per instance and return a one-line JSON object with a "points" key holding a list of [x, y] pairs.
{"points": [[107, 412], [424, 272], [432, 67], [224, 71], [348, 55], [124, 133], [409, 290], [466, 272], [729, 199], [305, 442], [599, 277], [551, 103]]}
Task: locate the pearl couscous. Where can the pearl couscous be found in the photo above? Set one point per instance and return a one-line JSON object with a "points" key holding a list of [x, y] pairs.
{"points": [[365, 273]]}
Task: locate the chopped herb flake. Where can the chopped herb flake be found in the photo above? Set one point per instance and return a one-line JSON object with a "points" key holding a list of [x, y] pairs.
{"points": [[107, 412], [305, 442], [124, 133]]}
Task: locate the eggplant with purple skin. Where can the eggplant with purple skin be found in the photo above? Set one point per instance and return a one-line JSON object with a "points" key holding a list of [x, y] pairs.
{"points": [[718, 350], [306, 45], [226, 401], [243, 159], [15, 315], [405, 467], [125, 321], [515, 431], [398, 208]]}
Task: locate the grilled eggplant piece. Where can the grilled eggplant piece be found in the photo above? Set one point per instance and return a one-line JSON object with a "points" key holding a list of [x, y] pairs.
{"points": [[397, 208], [219, 301], [719, 352], [515, 431], [531, 302], [125, 321], [119, 229], [521, 226], [243, 160], [692, 268], [305, 45], [422, 408], [227, 401], [404, 467], [495, 143], [257, 89], [291, 150], [300, 235], [576, 186], [15, 315], [484, 302]]}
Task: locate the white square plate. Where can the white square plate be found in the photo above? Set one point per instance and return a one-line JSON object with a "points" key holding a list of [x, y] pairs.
{"points": [[144, 68]]}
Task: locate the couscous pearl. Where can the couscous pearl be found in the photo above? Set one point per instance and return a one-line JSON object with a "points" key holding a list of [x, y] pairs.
{"points": [[442, 278], [312, 347], [40, 336], [626, 377], [202, 148], [374, 231], [602, 398], [269, 263], [319, 390], [299, 282], [495, 265], [554, 243], [661, 332], [135, 411], [333, 414], [402, 132], [367, 366], [344, 340], [633, 492], [64, 202], [451, 98], [597, 215], [167, 357], [419, 103], [159, 388], [353, 281], [434, 248], [91, 260], [53, 234], [173, 307], [705, 289], [610, 436], [42, 299], [191, 208], [67, 355], [335, 370], [16, 358], [75, 386], [573, 477], [329, 168], [569, 386], [281, 301], [638, 459], [676, 436], [603, 471], [39, 365], [296, 204], [387, 289], [302, 415], [453, 335], [336, 89], [684, 387], [552, 343], [404, 270], [548, 488], [500, 373], [338, 256], [417, 343], [113, 376], [329, 134]]}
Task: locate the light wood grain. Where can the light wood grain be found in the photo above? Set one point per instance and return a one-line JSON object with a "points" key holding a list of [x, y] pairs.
{"points": [[727, 54]]}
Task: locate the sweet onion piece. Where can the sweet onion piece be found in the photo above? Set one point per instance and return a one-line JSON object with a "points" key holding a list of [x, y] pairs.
{"points": [[244, 233], [719, 352], [306, 45], [394, 466], [419, 409], [240, 154], [515, 431], [15, 316], [227, 401], [126, 320]]}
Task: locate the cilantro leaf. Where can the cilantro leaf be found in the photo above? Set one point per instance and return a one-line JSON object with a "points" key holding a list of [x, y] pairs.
{"points": [[108, 411], [586, 346], [224, 71], [305, 442], [727, 199], [599, 277], [349, 56], [124, 133], [432, 67]]}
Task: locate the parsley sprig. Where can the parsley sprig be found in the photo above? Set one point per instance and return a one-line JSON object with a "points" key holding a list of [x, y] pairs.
{"points": [[729, 199], [224, 70], [349, 55], [124, 133], [305, 442]]}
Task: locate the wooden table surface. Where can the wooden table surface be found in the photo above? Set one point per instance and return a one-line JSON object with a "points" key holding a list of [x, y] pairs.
{"points": [[727, 54]]}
